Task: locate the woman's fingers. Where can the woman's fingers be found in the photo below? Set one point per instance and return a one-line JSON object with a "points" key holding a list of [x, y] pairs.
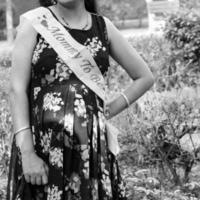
{"points": [[38, 180], [33, 179], [27, 178], [44, 179]]}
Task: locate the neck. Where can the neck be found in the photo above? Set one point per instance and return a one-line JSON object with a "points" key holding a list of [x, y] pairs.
{"points": [[72, 10]]}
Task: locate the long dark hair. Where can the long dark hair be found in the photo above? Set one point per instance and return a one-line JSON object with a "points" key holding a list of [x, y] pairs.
{"points": [[90, 5]]}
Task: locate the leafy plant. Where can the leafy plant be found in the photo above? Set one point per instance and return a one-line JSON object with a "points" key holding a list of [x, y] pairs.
{"points": [[183, 33]]}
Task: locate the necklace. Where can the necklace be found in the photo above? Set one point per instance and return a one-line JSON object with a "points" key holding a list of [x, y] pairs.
{"points": [[68, 25]]}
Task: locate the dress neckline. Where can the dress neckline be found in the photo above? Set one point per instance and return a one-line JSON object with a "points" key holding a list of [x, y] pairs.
{"points": [[74, 29]]}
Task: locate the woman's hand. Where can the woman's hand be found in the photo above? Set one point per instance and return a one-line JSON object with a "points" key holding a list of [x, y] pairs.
{"points": [[34, 168], [114, 107]]}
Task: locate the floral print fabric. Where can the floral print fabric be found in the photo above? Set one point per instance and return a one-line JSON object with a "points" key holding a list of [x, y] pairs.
{"points": [[68, 127]]}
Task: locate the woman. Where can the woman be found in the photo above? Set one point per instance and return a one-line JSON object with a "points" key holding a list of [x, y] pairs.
{"points": [[59, 149]]}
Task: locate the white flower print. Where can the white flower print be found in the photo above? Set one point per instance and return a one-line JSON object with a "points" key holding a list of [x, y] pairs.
{"points": [[94, 45], [85, 90], [36, 110], [95, 189], [101, 121], [79, 107], [72, 88], [68, 123], [45, 140], [122, 189], [103, 165], [41, 45], [106, 183], [50, 77], [62, 70], [36, 90], [85, 158], [94, 137], [75, 183], [56, 157], [54, 193], [52, 101]]}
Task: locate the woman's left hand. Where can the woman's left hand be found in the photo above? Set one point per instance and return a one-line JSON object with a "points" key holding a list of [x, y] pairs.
{"points": [[114, 107]]}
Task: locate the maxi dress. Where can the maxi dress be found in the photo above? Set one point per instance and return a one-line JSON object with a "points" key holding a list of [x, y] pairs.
{"points": [[68, 127]]}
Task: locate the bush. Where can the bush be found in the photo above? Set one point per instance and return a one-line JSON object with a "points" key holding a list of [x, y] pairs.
{"points": [[183, 33], [5, 120], [5, 55]]}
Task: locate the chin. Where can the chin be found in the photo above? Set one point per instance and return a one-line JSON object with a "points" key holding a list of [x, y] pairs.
{"points": [[67, 2]]}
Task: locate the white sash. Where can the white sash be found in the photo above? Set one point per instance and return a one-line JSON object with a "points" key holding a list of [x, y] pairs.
{"points": [[75, 55]]}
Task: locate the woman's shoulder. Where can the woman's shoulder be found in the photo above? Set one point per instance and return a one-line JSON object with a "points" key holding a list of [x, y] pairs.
{"points": [[105, 19], [102, 19]]}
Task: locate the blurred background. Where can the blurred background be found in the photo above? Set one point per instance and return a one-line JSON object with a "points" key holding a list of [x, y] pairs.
{"points": [[160, 144]]}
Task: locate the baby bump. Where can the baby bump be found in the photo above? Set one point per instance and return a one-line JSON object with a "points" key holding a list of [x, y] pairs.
{"points": [[64, 108]]}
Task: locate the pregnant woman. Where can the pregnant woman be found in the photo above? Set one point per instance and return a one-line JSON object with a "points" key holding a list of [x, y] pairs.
{"points": [[60, 144]]}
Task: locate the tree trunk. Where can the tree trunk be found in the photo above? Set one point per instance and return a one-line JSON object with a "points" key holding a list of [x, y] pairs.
{"points": [[9, 20]]}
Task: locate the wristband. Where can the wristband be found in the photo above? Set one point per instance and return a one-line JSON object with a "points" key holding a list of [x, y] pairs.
{"points": [[126, 99], [22, 129]]}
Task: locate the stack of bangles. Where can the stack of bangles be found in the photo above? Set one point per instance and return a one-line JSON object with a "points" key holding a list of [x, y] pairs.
{"points": [[22, 129]]}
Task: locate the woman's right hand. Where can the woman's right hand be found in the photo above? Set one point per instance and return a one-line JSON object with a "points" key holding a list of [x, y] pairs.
{"points": [[34, 168]]}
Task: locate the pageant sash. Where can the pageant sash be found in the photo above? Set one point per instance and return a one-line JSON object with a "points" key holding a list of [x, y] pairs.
{"points": [[75, 55]]}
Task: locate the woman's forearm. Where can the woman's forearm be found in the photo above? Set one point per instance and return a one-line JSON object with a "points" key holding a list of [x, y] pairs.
{"points": [[133, 92], [20, 115]]}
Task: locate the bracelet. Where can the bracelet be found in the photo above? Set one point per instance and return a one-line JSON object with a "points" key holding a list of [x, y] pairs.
{"points": [[22, 129], [126, 99]]}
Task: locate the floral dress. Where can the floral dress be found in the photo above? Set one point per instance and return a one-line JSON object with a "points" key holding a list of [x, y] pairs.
{"points": [[68, 127]]}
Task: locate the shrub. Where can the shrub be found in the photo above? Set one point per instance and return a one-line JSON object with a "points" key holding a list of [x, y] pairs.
{"points": [[5, 120], [183, 33]]}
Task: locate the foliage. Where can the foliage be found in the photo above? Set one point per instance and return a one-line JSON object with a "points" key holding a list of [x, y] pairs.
{"points": [[2, 19], [119, 10], [5, 128], [183, 33], [155, 120], [191, 6], [5, 60], [2, 25], [5, 120]]}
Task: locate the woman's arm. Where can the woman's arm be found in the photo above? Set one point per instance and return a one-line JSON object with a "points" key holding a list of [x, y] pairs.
{"points": [[19, 83], [34, 168], [134, 65]]}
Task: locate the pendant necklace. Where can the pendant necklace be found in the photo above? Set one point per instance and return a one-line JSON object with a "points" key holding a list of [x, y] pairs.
{"points": [[67, 24]]}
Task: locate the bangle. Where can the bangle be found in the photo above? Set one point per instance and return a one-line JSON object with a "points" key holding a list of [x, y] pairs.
{"points": [[126, 99], [22, 129]]}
